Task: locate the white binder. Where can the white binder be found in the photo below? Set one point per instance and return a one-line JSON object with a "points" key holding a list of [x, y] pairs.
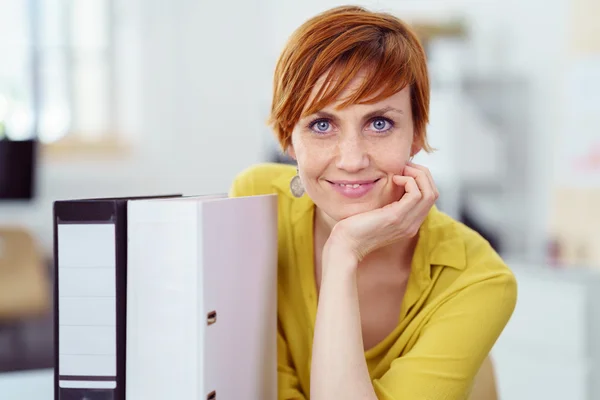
{"points": [[201, 299]]}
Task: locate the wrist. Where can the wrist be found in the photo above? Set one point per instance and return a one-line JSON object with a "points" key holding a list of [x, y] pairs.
{"points": [[341, 243], [339, 256]]}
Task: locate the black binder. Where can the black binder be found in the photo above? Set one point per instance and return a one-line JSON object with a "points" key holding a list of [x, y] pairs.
{"points": [[90, 286]]}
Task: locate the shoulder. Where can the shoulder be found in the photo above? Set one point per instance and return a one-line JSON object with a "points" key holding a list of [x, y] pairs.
{"points": [[259, 179], [474, 260]]}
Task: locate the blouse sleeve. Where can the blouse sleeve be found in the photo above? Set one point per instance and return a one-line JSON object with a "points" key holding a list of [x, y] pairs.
{"points": [[453, 344]]}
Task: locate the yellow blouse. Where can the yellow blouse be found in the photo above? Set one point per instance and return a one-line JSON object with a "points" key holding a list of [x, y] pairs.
{"points": [[458, 299]]}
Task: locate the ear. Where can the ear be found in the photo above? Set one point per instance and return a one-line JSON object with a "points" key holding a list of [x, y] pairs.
{"points": [[291, 152], [416, 147]]}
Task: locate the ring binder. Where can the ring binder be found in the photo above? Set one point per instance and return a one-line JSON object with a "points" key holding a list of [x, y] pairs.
{"points": [[191, 261], [90, 255]]}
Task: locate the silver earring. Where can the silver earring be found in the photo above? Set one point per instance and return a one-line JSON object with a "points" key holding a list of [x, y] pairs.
{"points": [[296, 186]]}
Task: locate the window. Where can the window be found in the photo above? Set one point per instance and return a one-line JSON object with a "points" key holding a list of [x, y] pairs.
{"points": [[57, 70]]}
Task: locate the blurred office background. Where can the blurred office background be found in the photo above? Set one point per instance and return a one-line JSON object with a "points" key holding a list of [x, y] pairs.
{"points": [[134, 97]]}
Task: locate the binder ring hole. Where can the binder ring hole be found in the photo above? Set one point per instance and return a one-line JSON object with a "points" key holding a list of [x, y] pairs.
{"points": [[211, 318], [212, 395]]}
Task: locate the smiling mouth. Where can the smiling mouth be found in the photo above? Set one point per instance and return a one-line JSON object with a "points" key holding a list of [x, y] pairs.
{"points": [[353, 185]]}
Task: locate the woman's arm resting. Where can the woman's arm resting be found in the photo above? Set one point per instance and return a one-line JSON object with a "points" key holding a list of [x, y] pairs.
{"points": [[339, 369], [453, 344]]}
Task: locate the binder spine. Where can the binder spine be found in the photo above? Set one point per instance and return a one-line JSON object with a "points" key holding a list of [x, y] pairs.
{"points": [[86, 306]]}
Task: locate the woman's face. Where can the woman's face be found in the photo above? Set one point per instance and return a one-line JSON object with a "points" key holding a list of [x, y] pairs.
{"points": [[347, 158]]}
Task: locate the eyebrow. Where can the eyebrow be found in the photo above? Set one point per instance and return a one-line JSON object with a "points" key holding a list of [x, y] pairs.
{"points": [[367, 116]]}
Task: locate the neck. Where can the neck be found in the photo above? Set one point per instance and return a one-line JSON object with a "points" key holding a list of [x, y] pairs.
{"points": [[395, 254]]}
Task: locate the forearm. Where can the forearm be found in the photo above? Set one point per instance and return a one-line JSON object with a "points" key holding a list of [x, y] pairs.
{"points": [[339, 369]]}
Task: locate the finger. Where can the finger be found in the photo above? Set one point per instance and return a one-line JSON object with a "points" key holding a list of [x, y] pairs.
{"points": [[429, 176], [429, 193], [424, 170], [425, 185], [406, 211], [412, 194], [413, 206]]}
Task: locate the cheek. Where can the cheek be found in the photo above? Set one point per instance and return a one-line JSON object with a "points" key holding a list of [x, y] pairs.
{"points": [[391, 159], [311, 154]]}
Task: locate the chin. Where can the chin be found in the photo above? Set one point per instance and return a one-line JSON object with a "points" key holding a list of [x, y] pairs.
{"points": [[338, 213], [338, 207]]}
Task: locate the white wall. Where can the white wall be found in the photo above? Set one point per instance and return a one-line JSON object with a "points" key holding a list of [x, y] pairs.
{"points": [[204, 84]]}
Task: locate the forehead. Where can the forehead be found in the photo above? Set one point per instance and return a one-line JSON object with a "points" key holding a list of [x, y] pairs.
{"points": [[400, 98]]}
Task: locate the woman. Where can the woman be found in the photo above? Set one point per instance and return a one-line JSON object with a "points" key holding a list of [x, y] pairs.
{"points": [[380, 295]]}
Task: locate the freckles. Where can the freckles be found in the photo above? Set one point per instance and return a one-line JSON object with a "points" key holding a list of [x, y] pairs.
{"points": [[315, 149], [324, 147], [391, 157]]}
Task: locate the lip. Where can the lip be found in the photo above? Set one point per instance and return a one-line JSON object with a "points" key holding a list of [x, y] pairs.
{"points": [[346, 189], [364, 182]]}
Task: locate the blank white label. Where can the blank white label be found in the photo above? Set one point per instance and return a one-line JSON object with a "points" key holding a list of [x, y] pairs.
{"points": [[94, 311], [87, 299], [88, 384], [87, 282], [86, 246], [87, 365], [94, 340]]}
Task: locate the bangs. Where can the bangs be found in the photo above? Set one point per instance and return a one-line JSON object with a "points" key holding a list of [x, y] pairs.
{"points": [[384, 67]]}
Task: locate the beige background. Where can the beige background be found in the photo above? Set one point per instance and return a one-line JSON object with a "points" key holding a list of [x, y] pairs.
{"points": [[575, 213], [585, 29]]}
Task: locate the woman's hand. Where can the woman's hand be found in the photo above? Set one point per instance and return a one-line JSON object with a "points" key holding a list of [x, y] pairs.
{"points": [[363, 233]]}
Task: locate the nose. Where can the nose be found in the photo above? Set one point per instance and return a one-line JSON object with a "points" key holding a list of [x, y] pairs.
{"points": [[351, 153]]}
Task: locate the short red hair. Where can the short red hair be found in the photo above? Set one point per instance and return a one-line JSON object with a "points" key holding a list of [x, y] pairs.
{"points": [[342, 42]]}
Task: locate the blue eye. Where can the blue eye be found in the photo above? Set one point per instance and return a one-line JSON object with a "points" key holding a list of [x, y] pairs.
{"points": [[321, 126], [381, 124]]}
